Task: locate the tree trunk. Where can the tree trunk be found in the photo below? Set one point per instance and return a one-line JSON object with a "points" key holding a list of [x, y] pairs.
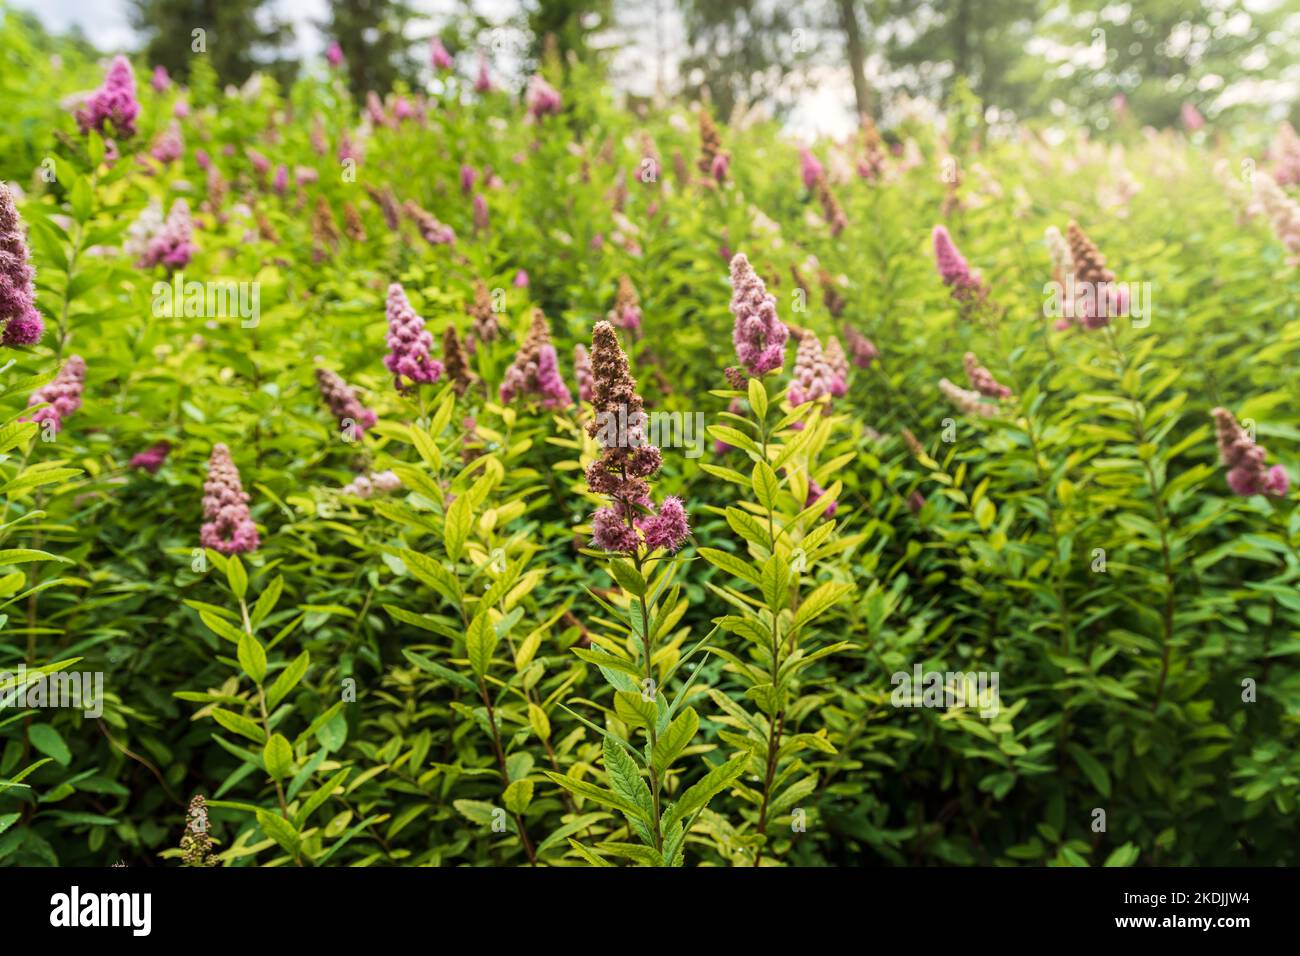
{"points": [[853, 40]]}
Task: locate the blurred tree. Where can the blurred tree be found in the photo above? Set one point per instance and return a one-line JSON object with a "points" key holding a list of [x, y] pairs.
{"points": [[573, 24], [987, 41], [239, 36], [375, 41], [1163, 53], [856, 53], [746, 51]]}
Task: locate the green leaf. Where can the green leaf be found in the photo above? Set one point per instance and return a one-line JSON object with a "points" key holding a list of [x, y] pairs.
{"points": [[733, 565], [252, 657], [766, 485], [675, 738], [589, 791], [267, 600], [237, 577], [628, 577], [518, 795], [237, 723], [49, 742], [480, 642], [278, 756], [633, 709], [758, 398], [626, 778], [699, 795], [287, 680], [1091, 768], [280, 830], [457, 525]]}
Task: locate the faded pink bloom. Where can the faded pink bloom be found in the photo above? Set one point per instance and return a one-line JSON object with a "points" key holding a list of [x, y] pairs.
{"points": [[467, 178], [305, 175], [203, 159], [61, 396], [260, 163], [168, 147], [172, 244], [160, 80], [1192, 117], [815, 491], [862, 350], [953, 267], [967, 402], [343, 402], [813, 377], [375, 483], [483, 84], [113, 103], [409, 343], [229, 527], [281, 181], [759, 336], [521, 279], [536, 370], [439, 57], [839, 365], [982, 380], [1247, 474], [22, 323], [542, 98], [151, 458], [334, 54], [809, 168], [582, 372], [481, 219]]}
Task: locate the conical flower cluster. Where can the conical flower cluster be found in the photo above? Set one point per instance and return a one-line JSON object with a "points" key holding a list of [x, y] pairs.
{"points": [[966, 401], [966, 285], [626, 313], [169, 243], [152, 458], [813, 376], [61, 396], [229, 527], [409, 343], [485, 326], [343, 402], [1284, 155], [196, 844], [982, 380], [536, 369], [453, 361], [839, 365], [1100, 300], [113, 103], [758, 335], [542, 99], [434, 232], [1282, 212], [1247, 473], [627, 459], [862, 350], [22, 323], [714, 162]]}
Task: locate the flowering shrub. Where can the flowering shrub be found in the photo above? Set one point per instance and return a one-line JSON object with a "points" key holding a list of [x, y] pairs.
{"points": [[355, 445]]}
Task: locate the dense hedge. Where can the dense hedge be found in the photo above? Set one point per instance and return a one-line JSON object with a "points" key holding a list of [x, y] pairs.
{"points": [[449, 673]]}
